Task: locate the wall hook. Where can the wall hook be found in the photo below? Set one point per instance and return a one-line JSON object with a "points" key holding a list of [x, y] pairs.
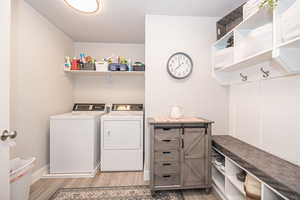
{"points": [[266, 74], [244, 77]]}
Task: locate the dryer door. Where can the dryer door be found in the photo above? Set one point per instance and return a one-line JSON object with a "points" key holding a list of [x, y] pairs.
{"points": [[122, 134]]}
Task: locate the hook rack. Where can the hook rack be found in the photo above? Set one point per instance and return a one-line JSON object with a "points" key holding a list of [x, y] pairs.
{"points": [[244, 77], [266, 74]]}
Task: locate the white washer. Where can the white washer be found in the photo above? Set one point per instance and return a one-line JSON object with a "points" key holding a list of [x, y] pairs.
{"points": [[75, 140], [122, 138]]}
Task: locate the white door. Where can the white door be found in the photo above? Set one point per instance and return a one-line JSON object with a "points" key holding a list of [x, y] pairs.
{"points": [[5, 21]]}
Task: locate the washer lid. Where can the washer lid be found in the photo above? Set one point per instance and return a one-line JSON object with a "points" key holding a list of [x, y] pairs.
{"points": [[78, 115]]}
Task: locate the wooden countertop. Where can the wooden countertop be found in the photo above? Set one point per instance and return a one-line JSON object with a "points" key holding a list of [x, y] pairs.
{"points": [[184, 120], [281, 175]]}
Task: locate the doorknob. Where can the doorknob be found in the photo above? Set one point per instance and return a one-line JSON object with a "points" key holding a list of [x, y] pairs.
{"points": [[6, 134]]}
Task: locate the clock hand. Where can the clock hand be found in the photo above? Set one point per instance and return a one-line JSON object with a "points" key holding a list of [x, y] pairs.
{"points": [[179, 66]]}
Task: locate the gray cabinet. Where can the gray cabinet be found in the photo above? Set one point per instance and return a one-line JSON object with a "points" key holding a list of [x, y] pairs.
{"points": [[180, 155]]}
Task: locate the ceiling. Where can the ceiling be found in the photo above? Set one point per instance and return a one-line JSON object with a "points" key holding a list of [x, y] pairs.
{"points": [[123, 21]]}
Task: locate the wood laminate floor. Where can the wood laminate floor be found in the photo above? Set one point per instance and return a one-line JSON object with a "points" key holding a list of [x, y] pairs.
{"points": [[44, 188]]}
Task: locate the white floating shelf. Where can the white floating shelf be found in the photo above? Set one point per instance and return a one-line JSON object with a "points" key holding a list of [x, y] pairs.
{"points": [[295, 43], [86, 72], [248, 62]]}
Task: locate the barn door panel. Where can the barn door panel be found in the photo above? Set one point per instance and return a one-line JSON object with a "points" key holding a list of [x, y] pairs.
{"points": [[194, 155]]}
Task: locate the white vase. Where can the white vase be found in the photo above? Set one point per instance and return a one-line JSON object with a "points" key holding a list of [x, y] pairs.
{"points": [[176, 112]]}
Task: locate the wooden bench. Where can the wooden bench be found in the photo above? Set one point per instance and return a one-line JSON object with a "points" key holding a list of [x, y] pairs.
{"points": [[280, 179]]}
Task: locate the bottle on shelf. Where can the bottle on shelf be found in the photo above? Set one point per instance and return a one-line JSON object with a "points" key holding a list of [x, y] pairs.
{"points": [[129, 63], [75, 64], [67, 63]]}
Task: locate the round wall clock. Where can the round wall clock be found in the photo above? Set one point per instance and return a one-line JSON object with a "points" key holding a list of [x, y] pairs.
{"points": [[180, 65]]}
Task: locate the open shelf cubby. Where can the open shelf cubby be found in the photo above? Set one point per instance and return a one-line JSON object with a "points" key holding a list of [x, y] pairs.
{"points": [[287, 40], [287, 23], [223, 53], [231, 171], [232, 193], [266, 36], [269, 194], [218, 160], [253, 42], [224, 177], [252, 37], [229, 187], [218, 179]]}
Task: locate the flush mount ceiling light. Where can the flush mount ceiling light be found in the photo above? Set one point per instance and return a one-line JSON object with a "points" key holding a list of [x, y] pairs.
{"points": [[84, 6]]}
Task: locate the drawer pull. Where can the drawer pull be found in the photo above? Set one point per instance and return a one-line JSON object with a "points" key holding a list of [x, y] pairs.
{"points": [[166, 176], [166, 164], [166, 129], [166, 140], [166, 152]]}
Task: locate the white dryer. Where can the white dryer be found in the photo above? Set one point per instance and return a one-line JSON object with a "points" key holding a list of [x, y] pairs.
{"points": [[75, 140], [122, 136]]}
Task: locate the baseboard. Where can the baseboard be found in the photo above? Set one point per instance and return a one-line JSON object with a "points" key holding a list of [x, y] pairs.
{"points": [[38, 174], [84, 175], [74, 175], [146, 175]]}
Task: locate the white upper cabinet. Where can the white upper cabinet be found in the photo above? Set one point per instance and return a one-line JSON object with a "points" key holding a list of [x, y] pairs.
{"points": [[287, 43], [266, 45]]}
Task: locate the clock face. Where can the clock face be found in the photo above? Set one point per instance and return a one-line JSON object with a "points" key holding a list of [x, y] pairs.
{"points": [[180, 65]]}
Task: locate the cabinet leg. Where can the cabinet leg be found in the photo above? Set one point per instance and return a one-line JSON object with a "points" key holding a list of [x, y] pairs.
{"points": [[208, 190], [153, 193]]}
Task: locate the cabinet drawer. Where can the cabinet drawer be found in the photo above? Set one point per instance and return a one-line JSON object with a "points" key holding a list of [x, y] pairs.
{"points": [[194, 130], [166, 179], [167, 133], [166, 155], [166, 167], [166, 144]]}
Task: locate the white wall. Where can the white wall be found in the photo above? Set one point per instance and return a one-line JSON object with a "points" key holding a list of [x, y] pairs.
{"points": [[266, 115], [199, 95], [39, 85], [110, 89], [102, 50]]}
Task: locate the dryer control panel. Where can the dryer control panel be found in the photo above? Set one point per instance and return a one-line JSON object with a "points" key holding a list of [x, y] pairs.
{"points": [[88, 107]]}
